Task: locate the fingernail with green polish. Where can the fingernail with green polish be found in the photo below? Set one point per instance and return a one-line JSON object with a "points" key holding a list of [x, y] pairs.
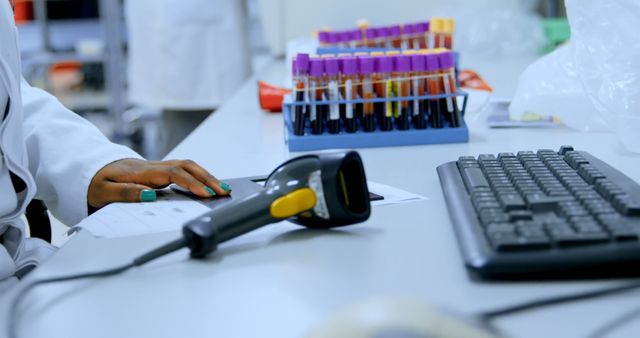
{"points": [[225, 186], [148, 195], [209, 191]]}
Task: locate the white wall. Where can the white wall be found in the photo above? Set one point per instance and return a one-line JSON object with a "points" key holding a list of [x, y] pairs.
{"points": [[287, 19]]}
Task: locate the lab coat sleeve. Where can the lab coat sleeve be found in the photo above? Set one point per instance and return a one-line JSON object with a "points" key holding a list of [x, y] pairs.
{"points": [[65, 152]]}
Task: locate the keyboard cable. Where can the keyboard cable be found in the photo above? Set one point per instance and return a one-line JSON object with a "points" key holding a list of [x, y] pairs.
{"points": [[489, 316]]}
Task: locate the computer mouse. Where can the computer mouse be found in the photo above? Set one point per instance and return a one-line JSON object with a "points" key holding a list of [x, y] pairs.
{"points": [[399, 318]]}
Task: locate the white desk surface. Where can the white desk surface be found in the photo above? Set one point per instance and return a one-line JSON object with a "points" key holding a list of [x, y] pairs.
{"points": [[279, 282]]}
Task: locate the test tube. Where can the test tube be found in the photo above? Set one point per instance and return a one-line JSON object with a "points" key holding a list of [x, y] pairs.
{"points": [[384, 87], [402, 68], [323, 38], [301, 80], [333, 38], [356, 38], [449, 104], [332, 76], [371, 34], [366, 64], [346, 38], [421, 36], [408, 31], [395, 33], [448, 28], [316, 84], [350, 91], [433, 87], [419, 107], [437, 27]]}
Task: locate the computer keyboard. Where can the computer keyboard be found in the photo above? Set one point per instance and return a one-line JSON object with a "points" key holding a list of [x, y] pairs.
{"points": [[543, 214]]}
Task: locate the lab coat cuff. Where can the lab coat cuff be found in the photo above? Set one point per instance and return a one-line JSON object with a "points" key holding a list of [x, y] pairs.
{"points": [[119, 153]]}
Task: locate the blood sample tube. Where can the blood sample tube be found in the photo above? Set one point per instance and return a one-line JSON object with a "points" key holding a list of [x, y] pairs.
{"points": [[449, 104], [407, 36], [345, 37], [371, 34], [332, 77], [366, 64], [384, 87], [356, 38], [437, 27], [396, 36], [316, 85], [350, 91], [418, 85], [448, 28], [421, 36], [433, 87], [323, 38], [301, 80], [402, 72]]}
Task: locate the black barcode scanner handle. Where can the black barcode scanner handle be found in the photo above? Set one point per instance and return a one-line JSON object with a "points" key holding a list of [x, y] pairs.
{"points": [[318, 191]]}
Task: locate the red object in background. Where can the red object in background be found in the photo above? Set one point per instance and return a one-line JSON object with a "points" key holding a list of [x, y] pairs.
{"points": [[23, 11], [271, 96], [470, 79]]}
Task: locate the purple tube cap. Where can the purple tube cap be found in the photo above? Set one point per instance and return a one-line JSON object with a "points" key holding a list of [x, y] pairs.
{"points": [[366, 64], [418, 63], [331, 66], [349, 65], [384, 64], [395, 30], [371, 33], [409, 28], [432, 62], [422, 27], [316, 67], [345, 36], [333, 38], [383, 32], [356, 34], [323, 37], [446, 60], [302, 63], [402, 63]]}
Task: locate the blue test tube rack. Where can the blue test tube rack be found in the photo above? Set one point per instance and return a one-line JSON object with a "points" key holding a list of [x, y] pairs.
{"points": [[376, 138]]}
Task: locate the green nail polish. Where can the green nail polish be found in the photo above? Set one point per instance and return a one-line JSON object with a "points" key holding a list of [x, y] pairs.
{"points": [[209, 191], [225, 186], [148, 195]]}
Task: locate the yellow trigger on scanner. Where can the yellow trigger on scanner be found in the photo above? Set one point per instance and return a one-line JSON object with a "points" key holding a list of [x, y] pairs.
{"points": [[293, 203]]}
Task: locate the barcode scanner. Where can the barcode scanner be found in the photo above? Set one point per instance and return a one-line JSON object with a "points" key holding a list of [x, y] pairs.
{"points": [[316, 191]]}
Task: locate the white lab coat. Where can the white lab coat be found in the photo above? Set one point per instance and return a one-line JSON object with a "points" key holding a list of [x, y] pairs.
{"points": [[53, 151], [185, 54]]}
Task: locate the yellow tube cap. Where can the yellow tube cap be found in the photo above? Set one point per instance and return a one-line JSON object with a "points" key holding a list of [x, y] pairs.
{"points": [[436, 24], [293, 203], [448, 25]]}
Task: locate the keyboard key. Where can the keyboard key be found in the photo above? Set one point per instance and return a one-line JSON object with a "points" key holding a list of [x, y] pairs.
{"points": [[513, 243], [518, 215], [474, 178], [511, 202], [581, 238], [565, 149], [540, 202]]}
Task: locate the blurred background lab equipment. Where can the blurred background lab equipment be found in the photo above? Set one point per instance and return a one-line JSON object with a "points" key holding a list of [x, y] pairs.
{"points": [[147, 72]]}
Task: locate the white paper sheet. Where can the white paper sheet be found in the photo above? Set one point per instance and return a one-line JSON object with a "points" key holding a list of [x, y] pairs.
{"points": [[172, 210]]}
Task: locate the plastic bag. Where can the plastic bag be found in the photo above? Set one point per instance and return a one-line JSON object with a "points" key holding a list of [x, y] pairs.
{"points": [[593, 82], [494, 27]]}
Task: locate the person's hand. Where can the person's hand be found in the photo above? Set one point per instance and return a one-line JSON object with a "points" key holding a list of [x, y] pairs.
{"points": [[132, 180]]}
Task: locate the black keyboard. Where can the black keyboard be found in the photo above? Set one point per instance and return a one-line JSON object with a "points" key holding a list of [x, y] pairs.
{"points": [[543, 214]]}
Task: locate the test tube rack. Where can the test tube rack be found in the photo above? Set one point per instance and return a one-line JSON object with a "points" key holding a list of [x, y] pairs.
{"points": [[377, 138]]}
